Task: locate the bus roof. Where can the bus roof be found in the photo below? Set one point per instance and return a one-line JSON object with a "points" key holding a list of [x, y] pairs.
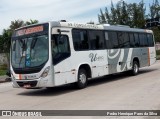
{"points": [[93, 26], [100, 26]]}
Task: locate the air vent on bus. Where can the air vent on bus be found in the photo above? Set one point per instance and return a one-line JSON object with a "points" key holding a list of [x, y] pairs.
{"points": [[63, 21], [122, 26]]}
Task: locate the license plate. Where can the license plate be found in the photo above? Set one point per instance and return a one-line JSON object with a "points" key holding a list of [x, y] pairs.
{"points": [[27, 86]]}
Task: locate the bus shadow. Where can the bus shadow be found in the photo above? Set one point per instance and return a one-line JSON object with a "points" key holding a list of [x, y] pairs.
{"points": [[115, 77], [55, 91], [70, 88]]}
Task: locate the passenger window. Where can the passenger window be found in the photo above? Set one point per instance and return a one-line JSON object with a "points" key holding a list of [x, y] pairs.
{"points": [[136, 36], [143, 40], [150, 40], [96, 40], [80, 40], [112, 42], [123, 39], [131, 38]]}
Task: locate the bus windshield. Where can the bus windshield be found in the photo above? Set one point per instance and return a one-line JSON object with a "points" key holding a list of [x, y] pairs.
{"points": [[29, 51]]}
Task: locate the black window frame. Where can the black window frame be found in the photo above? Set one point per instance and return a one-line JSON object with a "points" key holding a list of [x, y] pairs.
{"points": [[149, 45], [86, 38], [129, 33], [144, 41], [136, 46], [111, 47], [124, 34], [103, 36]]}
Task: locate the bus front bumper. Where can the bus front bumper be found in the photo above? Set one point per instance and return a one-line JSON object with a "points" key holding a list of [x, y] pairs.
{"points": [[34, 83]]}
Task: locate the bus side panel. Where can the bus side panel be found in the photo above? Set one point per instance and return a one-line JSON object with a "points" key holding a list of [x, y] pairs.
{"points": [[144, 57], [119, 60], [126, 58], [99, 62], [136, 53], [64, 73], [113, 58], [151, 55]]}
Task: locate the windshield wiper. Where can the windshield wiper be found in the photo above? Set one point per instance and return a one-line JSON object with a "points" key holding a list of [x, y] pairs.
{"points": [[23, 49]]}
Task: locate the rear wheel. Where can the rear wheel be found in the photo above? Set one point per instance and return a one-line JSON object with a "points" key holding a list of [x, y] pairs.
{"points": [[135, 68], [82, 79]]}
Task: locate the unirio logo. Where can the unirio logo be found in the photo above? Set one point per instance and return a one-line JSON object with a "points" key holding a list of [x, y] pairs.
{"points": [[94, 57]]}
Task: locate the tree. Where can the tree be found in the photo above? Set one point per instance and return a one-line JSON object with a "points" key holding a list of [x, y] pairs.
{"points": [[5, 41], [133, 15], [31, 22], [16, 24], [125, 14], [154, 9], [101, 17], [5, 38]]}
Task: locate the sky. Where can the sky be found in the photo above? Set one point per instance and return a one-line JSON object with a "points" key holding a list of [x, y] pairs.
{"points": [[81, 11]]}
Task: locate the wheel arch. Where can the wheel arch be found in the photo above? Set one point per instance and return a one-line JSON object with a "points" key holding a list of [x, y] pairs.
{"points": [[136, 59], [86, 67]]}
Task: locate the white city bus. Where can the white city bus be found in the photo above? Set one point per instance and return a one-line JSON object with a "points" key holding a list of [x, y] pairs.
{"points": [[57, 53]]}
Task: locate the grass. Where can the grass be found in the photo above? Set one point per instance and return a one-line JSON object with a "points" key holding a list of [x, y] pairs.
{"points": [[158, 52], [2, 72], [3, 69]]}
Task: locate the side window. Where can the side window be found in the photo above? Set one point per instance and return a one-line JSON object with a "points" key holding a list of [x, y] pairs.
{"points": [[112, 41], [123, 39], [96, 40], [136, 36], [150, 40], [60, 48], [131, 38], [108, 42], [80, 40], [143, 40]]}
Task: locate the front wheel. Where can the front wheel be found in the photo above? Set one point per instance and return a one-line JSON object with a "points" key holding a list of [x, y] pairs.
{"points": [[82, 79], [135, 68]]}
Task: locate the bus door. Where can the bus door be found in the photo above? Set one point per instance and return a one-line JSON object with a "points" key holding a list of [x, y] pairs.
{"points": [[61, 53]]}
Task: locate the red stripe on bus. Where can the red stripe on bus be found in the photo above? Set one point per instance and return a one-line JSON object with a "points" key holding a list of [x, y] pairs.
{"points": [[20, 77]]}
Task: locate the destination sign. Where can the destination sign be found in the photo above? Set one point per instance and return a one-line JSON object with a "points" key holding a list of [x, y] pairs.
{"points": [[30, 30]]}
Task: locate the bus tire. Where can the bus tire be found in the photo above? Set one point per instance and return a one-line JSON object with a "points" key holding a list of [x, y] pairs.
{"points": [[135, 68], [82, 79]]}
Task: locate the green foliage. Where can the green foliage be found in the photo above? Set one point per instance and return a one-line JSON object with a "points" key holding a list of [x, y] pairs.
{"points": [[156, 31], [158, 52], [5, 41], [3, 67], [3, 72], [154, 9], [133, 15], [125, 14], [31, 22], [5, 38]]}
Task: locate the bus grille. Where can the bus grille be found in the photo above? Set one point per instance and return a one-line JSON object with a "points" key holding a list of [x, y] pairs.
{"points": [[31, 83]]}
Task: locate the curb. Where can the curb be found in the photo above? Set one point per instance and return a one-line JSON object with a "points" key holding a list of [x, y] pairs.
{"points": [[4, 79]]}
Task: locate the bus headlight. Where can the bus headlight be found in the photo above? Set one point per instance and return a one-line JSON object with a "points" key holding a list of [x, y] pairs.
{"points": [[45, 72]]}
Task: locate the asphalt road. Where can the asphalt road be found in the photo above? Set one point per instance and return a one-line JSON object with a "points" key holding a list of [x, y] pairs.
{"points": [[115, 92]]}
